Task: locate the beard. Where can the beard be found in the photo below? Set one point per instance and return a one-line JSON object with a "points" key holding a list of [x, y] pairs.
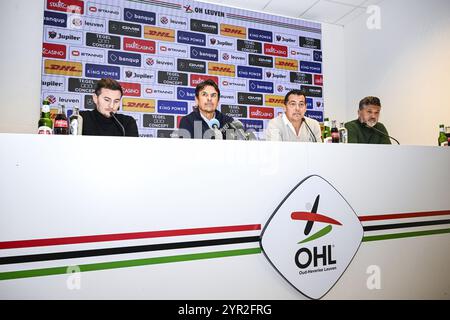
{"points": [[371, 123]]}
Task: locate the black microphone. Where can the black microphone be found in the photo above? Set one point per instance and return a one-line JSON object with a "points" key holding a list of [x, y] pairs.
{"points": [[118, 122], [381, 132], [310, 131]]}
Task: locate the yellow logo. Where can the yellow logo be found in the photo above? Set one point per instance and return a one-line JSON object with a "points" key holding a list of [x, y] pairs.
{"points": [[274, 101], [233, 31], [138, 105], [63, 67], [159, 33], [288, 64], [221, 69]]}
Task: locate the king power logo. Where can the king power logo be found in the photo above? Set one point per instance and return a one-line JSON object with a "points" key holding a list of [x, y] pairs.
{"points": [[312, 237]]}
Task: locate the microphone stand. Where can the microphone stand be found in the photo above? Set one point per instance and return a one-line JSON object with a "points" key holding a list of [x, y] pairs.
{"points": [[309, 129], [381, 132], [118, 122]]}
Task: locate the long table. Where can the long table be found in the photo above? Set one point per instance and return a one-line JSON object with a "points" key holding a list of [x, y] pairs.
{"points": [[113, 217]]}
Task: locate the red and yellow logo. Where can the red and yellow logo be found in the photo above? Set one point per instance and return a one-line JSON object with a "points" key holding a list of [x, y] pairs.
{"points": [[63, 67], [159, 33], [221, 69], [138, 105], [274, 101], [233, 31], [288, 64]]}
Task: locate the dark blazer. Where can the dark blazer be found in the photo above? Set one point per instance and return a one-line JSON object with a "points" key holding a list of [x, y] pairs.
{"points": [[187, 122]]}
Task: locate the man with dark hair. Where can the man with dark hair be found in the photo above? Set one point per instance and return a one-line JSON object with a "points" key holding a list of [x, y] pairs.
{"points": [[201, 120], [103, 120], [366, 128], [292, 125]]}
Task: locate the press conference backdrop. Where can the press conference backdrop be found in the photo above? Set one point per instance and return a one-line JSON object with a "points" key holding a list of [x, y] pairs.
{"points": [[160, 50]]}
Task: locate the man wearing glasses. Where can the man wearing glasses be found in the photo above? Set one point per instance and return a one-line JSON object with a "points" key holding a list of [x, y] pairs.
{"points": [[205, 121], [292, 125]]}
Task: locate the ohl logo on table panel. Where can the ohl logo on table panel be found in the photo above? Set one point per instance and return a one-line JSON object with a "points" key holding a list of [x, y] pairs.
{"points": [[312, 237]]}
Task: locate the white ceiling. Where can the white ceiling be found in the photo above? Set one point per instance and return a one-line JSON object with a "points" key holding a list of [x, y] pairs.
{"points": [[339, 12]]}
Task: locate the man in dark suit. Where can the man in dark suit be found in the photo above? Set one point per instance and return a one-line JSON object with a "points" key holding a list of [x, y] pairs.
{"points": [[200, 123]]}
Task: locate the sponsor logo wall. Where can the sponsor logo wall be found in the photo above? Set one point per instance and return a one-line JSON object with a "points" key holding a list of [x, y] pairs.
{"points": [[160, 50]]}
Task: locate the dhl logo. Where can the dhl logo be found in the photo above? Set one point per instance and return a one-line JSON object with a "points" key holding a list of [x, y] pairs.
{"points": [[274, 101], [287, 64], [138, 105], [64, 68], [233, 31], [221, 69], [159, 33]]}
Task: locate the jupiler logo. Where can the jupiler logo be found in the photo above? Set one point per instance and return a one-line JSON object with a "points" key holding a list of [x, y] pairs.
{"points": [[312, 237]]}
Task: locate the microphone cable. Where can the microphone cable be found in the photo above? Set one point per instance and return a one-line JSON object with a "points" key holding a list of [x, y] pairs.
{"points": [[118, 122]]}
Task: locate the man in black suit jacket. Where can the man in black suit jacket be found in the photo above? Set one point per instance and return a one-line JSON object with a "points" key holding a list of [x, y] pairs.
{"points": [[198, 124]]}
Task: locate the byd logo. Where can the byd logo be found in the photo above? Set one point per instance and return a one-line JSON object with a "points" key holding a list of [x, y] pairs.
{"points": [[312, 237]]}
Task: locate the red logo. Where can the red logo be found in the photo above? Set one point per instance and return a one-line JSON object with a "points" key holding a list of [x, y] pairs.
{"points": [[76, 53], [70, 6], [137, 45], [318, 80], [64, 68], [233, 31], [197, 78], [131, 89], [221, 69], [275, 50], [261, 113], [51, 50], [163, 48], [159, 34], [93, 9]]}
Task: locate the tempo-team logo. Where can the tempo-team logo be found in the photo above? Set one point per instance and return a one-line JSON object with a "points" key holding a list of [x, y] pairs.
{"points": [[312, 237]]}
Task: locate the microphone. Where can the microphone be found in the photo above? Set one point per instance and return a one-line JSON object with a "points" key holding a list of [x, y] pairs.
{"points": [[239, 127], [309, 129], [237, 132], [118, 122], [381, 132], [215, 124]]}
